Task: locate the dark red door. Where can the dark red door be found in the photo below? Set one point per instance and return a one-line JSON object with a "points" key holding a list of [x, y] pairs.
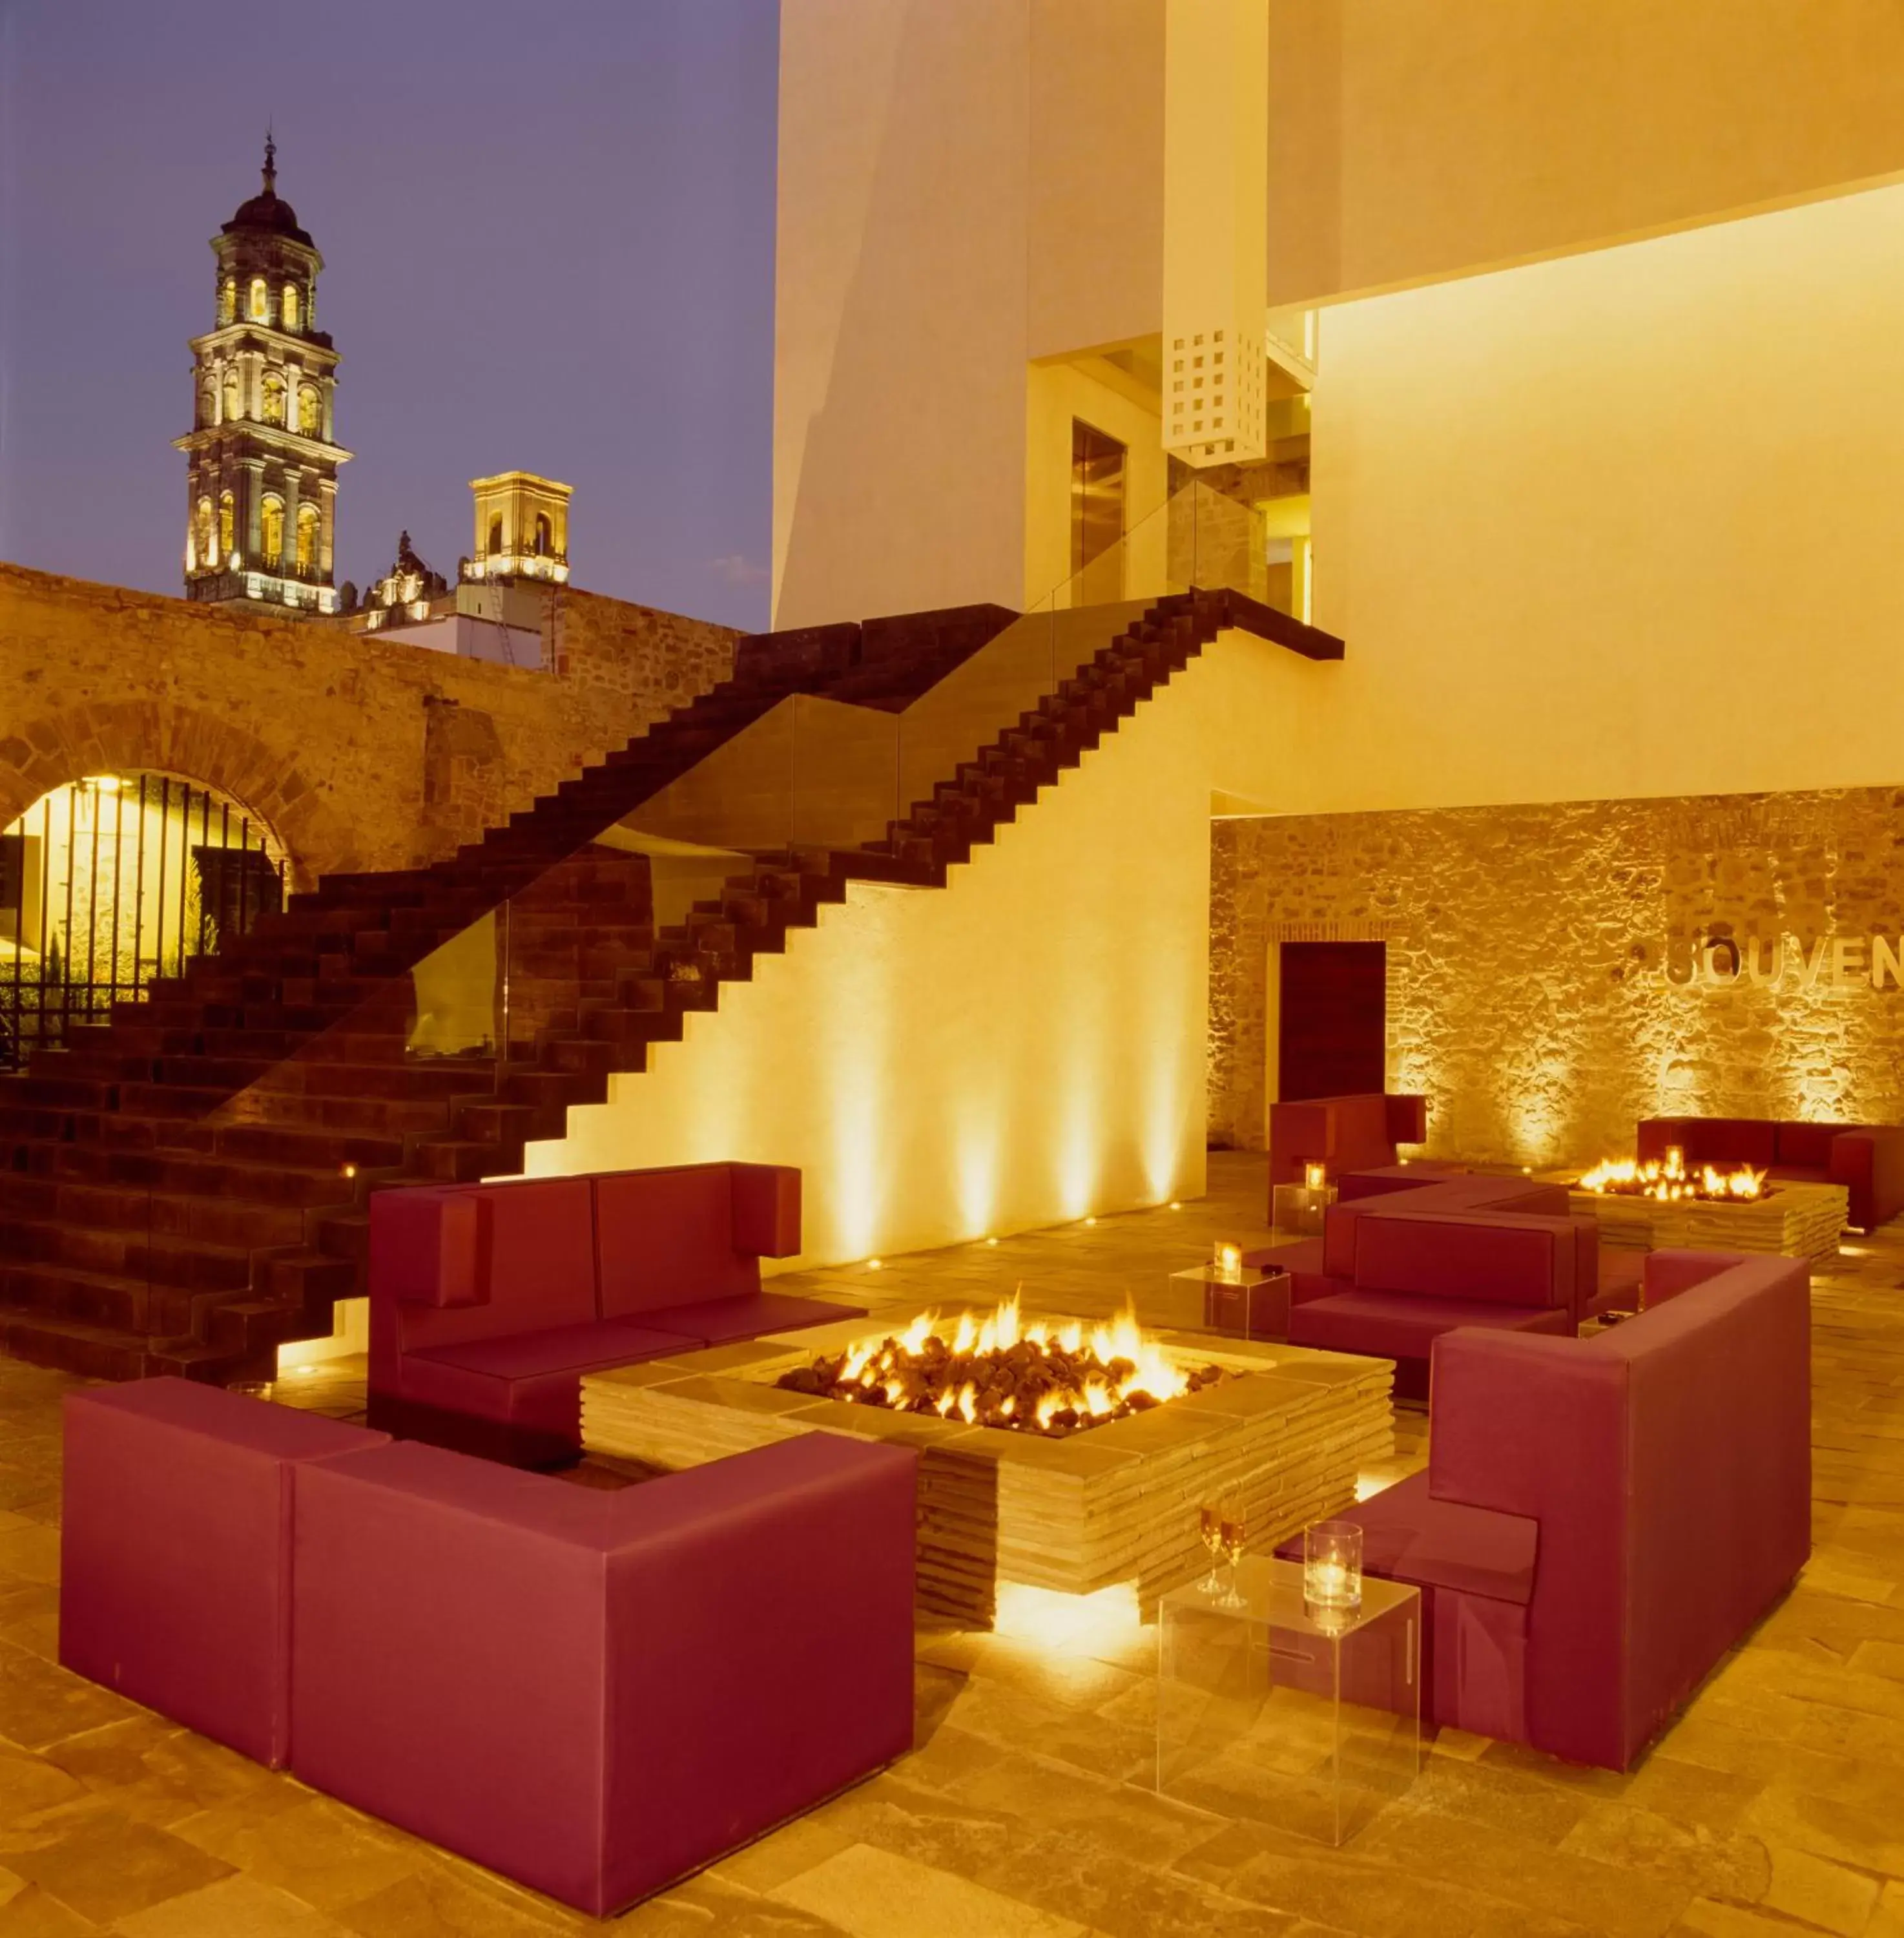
{"points": [[1332, 1036]]}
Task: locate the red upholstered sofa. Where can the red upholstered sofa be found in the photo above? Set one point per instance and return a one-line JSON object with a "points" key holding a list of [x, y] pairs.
{"points": [[1396, 1267], [593, 1692], [1600, 1520], [489, 1301], [1341, 1134], [1867, 1159]]}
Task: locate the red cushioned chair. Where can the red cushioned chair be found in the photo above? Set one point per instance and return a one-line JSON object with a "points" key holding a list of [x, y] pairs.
{"points": [[489, 1302], [1601, 1520], [1341, 1134], [1395, 1269], [596, 1692], [1868, 1159], [175, 1551]]}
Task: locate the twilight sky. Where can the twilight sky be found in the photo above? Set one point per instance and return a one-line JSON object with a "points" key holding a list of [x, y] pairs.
{"points": [[548, 234]]}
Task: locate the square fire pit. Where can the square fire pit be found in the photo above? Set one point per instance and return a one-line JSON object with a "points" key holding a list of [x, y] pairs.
{"points": [[1288, 1428], [1797, 1220]]}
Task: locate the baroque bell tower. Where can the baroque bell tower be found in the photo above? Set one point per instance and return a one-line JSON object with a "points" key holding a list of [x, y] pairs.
{"points": [[261, 457]]}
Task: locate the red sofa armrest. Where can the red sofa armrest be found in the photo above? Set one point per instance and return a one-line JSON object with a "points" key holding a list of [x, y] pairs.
{"points": [[1870, 1163], [1407, 1120], [1664, 1274], [765, 1210], [426, 1247]]}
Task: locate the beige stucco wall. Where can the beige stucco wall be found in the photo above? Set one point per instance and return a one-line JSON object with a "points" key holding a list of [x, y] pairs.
{"points": [[1021, 1048], [1543, 984], [1621, 523], [1416, 139], [900, 307]]}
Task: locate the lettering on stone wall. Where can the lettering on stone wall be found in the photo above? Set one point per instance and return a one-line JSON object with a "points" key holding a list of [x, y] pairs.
{"points": [[1784, 964]]}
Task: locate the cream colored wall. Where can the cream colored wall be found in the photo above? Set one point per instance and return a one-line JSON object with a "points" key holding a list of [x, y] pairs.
{"points": [[1058, 394], [1095, 254], [900, 293], [1623, 524], [1018, 1050], [1435, 138]]}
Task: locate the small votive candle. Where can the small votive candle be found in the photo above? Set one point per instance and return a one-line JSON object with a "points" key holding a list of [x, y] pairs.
{"points": [[1331, 1567], [1313, 1176], [1229, 1262]]}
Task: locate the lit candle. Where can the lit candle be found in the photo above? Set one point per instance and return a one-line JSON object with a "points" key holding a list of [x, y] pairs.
{"points": [[1313, 1176], [1229, 1262]]}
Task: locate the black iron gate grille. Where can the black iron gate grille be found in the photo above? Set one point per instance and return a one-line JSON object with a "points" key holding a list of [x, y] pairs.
{"points": [[110, 882]]}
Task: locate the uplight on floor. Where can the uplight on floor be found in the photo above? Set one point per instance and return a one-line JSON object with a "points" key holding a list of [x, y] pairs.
{"points": [[1070, 1625]]}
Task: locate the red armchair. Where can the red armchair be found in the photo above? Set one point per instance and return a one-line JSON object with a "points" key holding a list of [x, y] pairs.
{"points": [[1868, 1159], [488, 1302], [1395, 1270], [175, 1551], [1600, 1520], [596, 1692], [1342, 1134]]}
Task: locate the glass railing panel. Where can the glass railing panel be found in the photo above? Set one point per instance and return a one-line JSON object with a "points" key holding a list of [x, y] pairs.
{"points": [[845, 769], [740, 795]]}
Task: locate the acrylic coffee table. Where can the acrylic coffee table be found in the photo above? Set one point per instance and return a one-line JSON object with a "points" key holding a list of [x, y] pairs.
{"points": [[1268, 1711]]}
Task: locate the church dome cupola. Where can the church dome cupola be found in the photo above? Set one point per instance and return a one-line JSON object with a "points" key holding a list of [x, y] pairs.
{"points": [[261, 454]]}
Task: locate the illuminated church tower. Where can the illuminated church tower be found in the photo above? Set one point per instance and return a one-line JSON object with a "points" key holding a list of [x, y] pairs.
{"points": [[261, 454]]}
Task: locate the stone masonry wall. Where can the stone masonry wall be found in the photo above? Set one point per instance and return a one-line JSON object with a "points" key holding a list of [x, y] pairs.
{"points": [[358, 752], [1556, 973]]}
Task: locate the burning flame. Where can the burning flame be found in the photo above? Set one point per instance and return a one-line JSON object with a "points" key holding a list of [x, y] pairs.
{"points": [[999, 1369], [1668, 1180]]}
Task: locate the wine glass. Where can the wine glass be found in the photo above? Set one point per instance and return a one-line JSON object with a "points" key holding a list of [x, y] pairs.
{"points": [[1233, 1529], [1210, 1525]]}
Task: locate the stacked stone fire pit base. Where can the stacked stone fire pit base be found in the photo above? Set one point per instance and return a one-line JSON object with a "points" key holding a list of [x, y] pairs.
{"points": [[1797, 1220], [1291, 1430]]}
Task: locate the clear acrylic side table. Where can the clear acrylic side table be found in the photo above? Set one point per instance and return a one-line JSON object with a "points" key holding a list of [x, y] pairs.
{"points": [[1269, 1711], [1249, 1304], [1298, 1208]]}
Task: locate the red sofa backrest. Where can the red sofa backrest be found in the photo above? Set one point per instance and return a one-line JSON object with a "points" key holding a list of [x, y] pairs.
{"points": [[450, 1263], [1713, 1141], [1503, 1260], [1344, 1133], [1668, 1463], [695, 1232], [1467, 1195]]}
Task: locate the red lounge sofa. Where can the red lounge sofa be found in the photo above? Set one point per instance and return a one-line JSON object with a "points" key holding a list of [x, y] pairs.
{"points": [[596, 1692], [1395, 1268], [1868, 1159], [1600, 1520], [175, 1551], [591, 1692], [488, 1302], [1341, 1134]]}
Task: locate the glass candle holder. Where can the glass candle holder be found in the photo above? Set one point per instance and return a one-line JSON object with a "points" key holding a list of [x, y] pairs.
{"points": [[1331, 1567], [1229, 1262], [1314, 1176]]}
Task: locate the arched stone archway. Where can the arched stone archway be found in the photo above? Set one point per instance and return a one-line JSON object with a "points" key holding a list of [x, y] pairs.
{"points": [[163, 737]]}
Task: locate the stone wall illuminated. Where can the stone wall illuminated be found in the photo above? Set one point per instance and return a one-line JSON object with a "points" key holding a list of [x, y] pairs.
{"points": [[359, 752], [1556, 973]]}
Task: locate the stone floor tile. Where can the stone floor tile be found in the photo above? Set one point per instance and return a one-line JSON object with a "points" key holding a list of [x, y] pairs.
{"points": [[236, 1907], [872, 1893], [103, 1864], [314, 1848], [32, 1913], [1821, 1893], [795, 1848]]}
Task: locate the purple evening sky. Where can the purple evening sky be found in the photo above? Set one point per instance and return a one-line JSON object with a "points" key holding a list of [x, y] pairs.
{"points": [[548, 232]]}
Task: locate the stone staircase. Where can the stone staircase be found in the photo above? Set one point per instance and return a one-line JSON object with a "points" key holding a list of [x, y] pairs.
{"points": [[185, 1187]]}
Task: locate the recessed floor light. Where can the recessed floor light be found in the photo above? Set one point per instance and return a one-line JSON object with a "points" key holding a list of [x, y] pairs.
{"points": [[991, 1241], [1090, 1221], [1176, 1204], [874, 1264]]}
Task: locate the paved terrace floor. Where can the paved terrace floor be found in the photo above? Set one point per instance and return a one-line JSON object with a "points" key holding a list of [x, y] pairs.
{"points": [[1774, 1806]]}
